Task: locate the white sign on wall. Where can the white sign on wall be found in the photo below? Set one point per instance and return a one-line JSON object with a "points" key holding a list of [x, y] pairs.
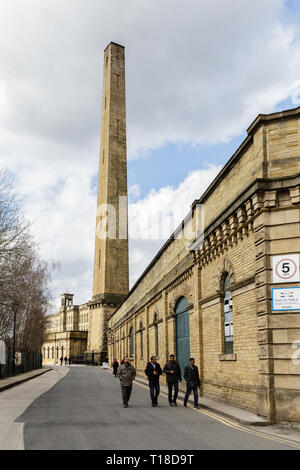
{"points": [[285, 298], [286, 269], [18, 358]]}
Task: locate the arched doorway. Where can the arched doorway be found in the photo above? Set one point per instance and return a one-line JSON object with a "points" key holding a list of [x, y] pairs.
{"points": [[182, 333]]}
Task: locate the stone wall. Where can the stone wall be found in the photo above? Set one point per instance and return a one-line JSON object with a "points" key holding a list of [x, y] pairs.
{"points": [[251, 212]]}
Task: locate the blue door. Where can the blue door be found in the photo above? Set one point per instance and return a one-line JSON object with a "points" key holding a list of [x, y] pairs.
{"points": [[182, 334]]}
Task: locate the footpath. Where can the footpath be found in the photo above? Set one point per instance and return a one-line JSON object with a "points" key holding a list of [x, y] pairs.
{"points": [[20, 378], [238, 414]]}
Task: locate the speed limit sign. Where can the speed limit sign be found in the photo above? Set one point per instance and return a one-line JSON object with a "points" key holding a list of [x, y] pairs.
{"points": [[286, 268]]}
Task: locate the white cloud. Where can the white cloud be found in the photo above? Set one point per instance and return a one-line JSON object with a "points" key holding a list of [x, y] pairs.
{"points": [[134, 193], [197, 72], [154, 218]]}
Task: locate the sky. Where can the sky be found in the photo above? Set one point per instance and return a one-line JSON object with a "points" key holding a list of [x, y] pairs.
{"points": [[197, 74]]}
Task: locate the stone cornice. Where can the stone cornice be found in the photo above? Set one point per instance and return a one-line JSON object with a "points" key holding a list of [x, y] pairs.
{"points": [[106, 299], [237, 221], [260, 185], [269, 118]]}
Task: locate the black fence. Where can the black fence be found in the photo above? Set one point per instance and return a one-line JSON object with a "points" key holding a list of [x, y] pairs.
{"points": [[27, 361], [88, 359]]}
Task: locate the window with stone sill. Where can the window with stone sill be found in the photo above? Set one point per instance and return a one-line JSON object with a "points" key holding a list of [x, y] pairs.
{"points": [[228, 317]]}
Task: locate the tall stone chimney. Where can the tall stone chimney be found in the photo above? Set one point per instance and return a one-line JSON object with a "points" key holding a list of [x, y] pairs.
{"points": [[111, 277]]}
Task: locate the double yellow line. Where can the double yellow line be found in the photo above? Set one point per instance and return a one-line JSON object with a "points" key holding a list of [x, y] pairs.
{"points": [[234, 425]]}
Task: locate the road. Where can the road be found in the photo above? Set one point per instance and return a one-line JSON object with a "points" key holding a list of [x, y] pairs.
{"points": [[80, 408]]}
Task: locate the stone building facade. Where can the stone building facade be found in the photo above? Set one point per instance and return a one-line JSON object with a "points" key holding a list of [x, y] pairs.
{"points": [[66, 332], [251, 214], [209, 297]]}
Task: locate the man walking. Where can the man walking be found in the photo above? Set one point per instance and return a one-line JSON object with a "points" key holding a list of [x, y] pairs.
{"points": [[126, 374], [173, 373], [153, 371], [115, 366], [191, 376]]}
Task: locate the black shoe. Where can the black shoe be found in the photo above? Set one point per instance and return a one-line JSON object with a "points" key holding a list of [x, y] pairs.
{"points": [[197, 407], [174, 403], [153, 405], [171, 404], [185, 404]]}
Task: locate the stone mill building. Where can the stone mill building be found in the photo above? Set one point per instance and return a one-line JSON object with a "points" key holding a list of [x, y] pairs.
{"points": [[229, 297]]}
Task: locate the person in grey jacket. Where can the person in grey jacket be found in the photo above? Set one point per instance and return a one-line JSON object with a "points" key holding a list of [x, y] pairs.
{"points": [[126, 373]]}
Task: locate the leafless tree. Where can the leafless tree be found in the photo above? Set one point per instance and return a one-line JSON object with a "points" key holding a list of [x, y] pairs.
{"points": [[24, 277]]}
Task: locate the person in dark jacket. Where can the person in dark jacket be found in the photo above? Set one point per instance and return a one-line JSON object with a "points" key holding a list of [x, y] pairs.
{"points": [[126, 374], [173, 373], [153, 371], [191, 376], [115, 366]]}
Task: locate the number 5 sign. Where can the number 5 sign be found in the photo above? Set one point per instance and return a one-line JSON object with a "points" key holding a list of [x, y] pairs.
{"points": [[286, 268]]}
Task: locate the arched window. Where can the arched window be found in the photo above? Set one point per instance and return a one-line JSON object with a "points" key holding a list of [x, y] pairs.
{"points": [[155, 321], [131, 342], [182, 333], [142, 342], [228, 319], [156, 341]]}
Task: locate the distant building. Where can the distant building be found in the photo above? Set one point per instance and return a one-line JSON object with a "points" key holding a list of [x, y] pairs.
{"points": [[66, 332]]}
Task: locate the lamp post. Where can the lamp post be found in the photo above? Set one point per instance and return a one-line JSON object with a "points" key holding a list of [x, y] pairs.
{"points": [[14, 339]]}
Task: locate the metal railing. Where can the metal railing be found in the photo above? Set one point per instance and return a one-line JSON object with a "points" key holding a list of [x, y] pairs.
{"points": [[29, 360], [89, 359]]}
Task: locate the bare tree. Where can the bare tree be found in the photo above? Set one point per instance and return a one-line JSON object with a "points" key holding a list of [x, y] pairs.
{"points": [[23, 276]]}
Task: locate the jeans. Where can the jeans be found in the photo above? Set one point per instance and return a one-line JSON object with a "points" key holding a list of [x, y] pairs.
{"points": [[170, 387], [187, 394], [154, 391], [126, 392]]}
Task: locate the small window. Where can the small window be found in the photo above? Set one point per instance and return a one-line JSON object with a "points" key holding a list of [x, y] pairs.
{"points": [[228, 318], [156, 341], [142, 345]]}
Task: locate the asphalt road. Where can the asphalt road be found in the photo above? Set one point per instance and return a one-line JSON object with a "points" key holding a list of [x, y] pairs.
{"points": [[83, 410]]}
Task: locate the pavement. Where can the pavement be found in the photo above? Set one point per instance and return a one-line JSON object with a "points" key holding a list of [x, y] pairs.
{"points": [[80, 408], [14, 401], [238, 414], [20, 378]]}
